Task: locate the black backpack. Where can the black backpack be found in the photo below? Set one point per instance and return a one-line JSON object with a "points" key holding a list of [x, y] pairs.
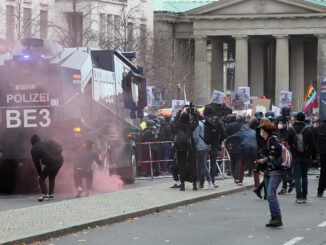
{"points": [[182, 140], [299, 143]]}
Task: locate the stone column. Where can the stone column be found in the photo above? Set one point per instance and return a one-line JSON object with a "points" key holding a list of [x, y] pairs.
{"points": [[321, 59], [256, 80], [241, 58], [201, 84], [281, 67], [297, 74], [321, 72], [217, 64]]}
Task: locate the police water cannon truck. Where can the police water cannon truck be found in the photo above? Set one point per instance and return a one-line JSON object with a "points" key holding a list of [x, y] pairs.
{"points": [[71, 95]]}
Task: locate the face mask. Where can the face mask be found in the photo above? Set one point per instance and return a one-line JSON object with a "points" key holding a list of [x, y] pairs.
{"points": [[279, 126]]}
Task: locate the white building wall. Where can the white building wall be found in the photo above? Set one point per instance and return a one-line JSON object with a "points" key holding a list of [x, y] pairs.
{"points": [[57, 19]]}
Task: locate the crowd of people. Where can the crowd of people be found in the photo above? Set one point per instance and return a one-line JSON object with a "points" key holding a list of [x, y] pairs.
{"points": [[273, 149]]}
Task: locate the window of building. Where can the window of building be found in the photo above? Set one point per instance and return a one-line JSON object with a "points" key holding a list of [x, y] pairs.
{"points": [[117, 30], [75, 25], [27, 22], [43, 24], [110, 29], [10, 23], [130, 37], [103, 28]]}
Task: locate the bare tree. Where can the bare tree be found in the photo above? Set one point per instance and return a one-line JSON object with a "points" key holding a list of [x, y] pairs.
{"points": [[173, 65], [77, 29]]}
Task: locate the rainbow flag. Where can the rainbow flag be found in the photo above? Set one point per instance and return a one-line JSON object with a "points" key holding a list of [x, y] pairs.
{"points": [[310, 98]]}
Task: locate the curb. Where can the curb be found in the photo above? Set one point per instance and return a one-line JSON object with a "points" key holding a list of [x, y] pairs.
{"points": [[120, 218]]}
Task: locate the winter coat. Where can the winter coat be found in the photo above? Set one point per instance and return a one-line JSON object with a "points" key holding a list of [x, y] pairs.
{"points": [[247, 140], [231, 129], [321, 137], [308, 138], [41, 154], [271, 152], [198, 136]]}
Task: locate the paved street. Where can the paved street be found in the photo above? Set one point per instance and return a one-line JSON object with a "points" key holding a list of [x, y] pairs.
{"points": [[234, 219]]}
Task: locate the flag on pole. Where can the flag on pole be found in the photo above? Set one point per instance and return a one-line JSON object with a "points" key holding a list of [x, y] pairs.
{"points": [[310, 98]]}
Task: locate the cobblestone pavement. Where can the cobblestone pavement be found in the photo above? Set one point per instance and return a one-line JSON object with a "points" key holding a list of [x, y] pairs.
{"points": [[52, 219]]}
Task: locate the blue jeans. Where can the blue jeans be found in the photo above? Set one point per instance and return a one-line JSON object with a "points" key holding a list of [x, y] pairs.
{"points": [[201, 158], [300, 169], [272, 182]]}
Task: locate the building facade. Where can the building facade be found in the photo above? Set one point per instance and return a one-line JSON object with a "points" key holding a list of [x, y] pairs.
{"points": [[106, 23], [278, 45]]}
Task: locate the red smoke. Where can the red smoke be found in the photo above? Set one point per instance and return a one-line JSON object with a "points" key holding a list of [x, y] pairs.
{"points": [[101, 181]]}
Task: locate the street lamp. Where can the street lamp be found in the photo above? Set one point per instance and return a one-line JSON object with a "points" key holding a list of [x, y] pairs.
{"points": [[179, 91], [230, 65]]}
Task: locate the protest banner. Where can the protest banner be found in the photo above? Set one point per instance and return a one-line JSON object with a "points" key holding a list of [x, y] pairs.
{"points": [[246, 94], [177, 104], [276, 110], [217, 97], [262, 105], [237, 101], [285, 99]]}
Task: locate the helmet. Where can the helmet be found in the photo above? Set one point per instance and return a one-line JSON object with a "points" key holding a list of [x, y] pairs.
{"points": [[150, 123]]}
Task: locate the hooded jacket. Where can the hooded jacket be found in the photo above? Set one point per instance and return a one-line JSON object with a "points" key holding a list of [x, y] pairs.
{"points": [[308, 139]]}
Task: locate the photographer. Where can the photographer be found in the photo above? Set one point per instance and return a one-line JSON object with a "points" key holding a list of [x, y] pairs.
{"points": [[214, 136]]}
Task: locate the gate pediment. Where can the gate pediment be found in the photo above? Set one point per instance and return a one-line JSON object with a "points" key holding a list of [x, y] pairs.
{"points": [[254, 7]]}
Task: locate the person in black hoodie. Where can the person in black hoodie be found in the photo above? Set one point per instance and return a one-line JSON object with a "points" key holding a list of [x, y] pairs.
{"points": [[185, 150], [42, 154], [321, 142], [234, 146], [301, 154]]}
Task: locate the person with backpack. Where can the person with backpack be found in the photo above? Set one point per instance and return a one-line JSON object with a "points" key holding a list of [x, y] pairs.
{"points": [[49, 154], [83, 167], [271, 160], [201, 156], [302, 145], [184, 146]]}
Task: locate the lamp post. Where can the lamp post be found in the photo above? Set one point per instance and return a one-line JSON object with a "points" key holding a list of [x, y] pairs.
{"points": [[230, 65], [179, 91]]}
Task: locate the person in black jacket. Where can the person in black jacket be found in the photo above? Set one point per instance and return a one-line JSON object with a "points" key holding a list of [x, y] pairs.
{"points": [[321, 143], [301, 159], [185, 156], [234, 146], [42, 154], [216, 132]]}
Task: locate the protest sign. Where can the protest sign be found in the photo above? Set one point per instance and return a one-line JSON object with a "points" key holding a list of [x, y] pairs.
{"points": [[262, 105], [285, 99], [237, 101], [217, 97], [246, 94]]}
